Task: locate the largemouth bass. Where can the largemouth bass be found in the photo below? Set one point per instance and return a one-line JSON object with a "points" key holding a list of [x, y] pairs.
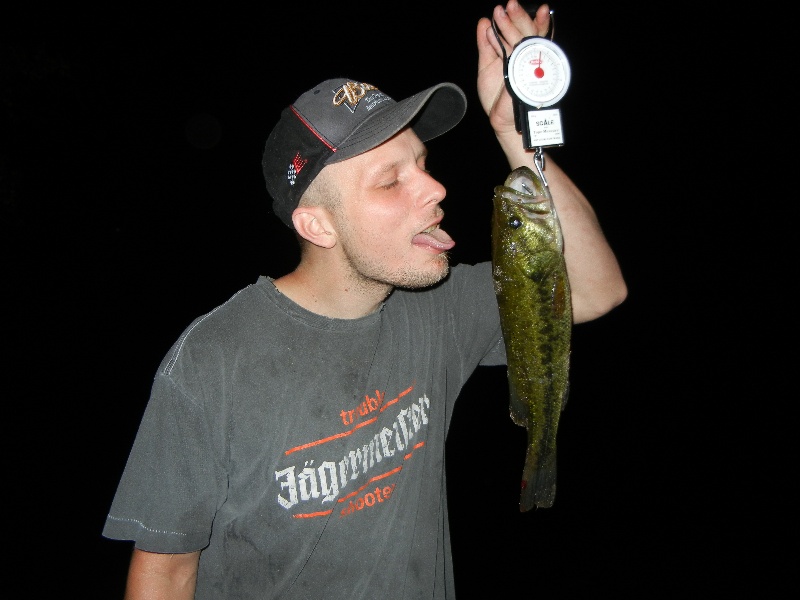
{"points": [[532, 288]]}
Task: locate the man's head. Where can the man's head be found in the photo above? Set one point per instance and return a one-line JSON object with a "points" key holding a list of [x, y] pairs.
{"points": [[339, 119], [377, 217]]}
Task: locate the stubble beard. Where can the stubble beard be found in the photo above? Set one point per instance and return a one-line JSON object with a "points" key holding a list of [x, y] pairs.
{"points": [[368, 273]]}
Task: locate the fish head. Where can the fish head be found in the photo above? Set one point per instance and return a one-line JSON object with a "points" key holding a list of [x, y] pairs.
{"points": [[525, 226]]}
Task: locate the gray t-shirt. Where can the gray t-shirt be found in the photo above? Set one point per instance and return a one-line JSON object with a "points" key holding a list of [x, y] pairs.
{"points": [[305, 455]]}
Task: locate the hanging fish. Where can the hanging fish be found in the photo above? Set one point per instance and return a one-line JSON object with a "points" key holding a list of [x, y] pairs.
{"points": [[533, 294]]}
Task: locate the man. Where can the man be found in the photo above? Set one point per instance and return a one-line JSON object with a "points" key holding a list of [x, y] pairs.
{"points": [[293, 445]]}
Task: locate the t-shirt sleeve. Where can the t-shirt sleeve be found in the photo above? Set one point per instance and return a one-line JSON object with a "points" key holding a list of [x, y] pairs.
{"points": [[172, 483]]}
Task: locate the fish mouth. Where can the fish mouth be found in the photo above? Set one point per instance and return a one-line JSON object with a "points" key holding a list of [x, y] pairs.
{"points": [[522, 181], [433, 238], [533, 206], [522, 199]]}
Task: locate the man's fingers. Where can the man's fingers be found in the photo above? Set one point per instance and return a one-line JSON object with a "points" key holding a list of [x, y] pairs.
{"points": [[525, 24]]}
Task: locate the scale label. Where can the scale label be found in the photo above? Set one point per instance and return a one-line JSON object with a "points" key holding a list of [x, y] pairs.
{"points": [[544, 126]]}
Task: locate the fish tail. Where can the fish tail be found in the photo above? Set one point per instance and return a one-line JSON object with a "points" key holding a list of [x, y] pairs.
{"points": [[538, 481]]}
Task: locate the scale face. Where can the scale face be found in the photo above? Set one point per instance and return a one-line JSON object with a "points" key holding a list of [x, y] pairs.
{"points": [[537, 75], [538, 72]]}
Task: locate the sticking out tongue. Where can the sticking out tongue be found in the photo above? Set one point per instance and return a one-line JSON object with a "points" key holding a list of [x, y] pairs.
{"points": [[438, 239]]}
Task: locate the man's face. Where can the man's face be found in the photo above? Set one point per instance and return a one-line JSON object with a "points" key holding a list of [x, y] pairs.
{"points": [[388, 217]]}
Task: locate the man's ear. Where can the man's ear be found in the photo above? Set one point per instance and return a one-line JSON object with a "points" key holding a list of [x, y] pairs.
{"points": [[312, 224]]}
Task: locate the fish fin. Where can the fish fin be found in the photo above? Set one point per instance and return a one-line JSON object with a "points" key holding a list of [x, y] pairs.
{"points": [[538, 486]]}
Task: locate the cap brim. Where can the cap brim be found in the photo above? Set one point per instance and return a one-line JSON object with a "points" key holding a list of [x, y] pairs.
{"points": [[430, 113]]}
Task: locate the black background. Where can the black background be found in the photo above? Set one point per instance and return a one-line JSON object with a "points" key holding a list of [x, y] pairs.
{"points": [[133, 202]]}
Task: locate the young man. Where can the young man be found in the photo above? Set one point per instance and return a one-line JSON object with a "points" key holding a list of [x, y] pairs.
{"points": [[293, 445]]}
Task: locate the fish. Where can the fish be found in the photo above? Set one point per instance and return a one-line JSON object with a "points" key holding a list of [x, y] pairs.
{"points": [[533, 295]]}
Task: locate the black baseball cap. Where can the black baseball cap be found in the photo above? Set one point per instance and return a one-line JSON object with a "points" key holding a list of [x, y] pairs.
{"points": [[341, 118]]}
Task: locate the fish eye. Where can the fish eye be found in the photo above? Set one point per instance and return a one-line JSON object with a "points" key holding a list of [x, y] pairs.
{"points": [[514, 223]]}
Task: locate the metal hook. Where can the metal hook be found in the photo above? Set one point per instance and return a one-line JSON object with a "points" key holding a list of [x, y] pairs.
{"points": [[552, 30], [538, 161]]}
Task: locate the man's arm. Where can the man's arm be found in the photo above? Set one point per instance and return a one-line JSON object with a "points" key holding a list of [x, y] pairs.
{"points": [[153, 576], [595, 277]]}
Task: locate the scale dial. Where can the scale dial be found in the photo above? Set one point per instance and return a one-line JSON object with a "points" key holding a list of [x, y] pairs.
{"points": [[538, 72]]}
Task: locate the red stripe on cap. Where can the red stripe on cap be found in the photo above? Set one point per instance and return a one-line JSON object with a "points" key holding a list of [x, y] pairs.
{"points": [[312, 130]]}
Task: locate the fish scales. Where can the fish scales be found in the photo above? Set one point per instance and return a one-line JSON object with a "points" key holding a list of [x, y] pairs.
{"points": [[533, 295]]}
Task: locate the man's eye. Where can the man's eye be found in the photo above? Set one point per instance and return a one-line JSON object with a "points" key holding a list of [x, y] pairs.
{"points": [[389, 186]]}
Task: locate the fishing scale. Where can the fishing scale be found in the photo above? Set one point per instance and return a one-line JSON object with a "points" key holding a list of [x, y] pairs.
{"points": [[537, 75]]}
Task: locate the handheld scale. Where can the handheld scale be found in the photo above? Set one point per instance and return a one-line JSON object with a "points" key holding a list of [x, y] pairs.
{"points": [[537, 75]]}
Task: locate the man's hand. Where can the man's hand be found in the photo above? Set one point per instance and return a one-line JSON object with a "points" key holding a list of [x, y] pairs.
{"points": [[513, 23]]}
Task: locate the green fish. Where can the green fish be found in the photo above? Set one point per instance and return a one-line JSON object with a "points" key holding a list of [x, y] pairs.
{"points": [[530, 280]]}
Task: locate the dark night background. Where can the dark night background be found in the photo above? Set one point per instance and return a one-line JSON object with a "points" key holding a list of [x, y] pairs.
{"points": [[132, 202]]}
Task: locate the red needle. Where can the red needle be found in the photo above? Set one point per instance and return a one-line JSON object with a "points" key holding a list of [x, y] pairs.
{"points": [[539, 71]]}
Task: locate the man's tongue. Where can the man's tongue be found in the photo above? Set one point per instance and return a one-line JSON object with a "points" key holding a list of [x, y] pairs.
{"points": [[437, 239]]}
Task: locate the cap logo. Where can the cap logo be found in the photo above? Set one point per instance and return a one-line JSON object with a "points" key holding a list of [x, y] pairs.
{"points": [[350, 94], [295, 167]]}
